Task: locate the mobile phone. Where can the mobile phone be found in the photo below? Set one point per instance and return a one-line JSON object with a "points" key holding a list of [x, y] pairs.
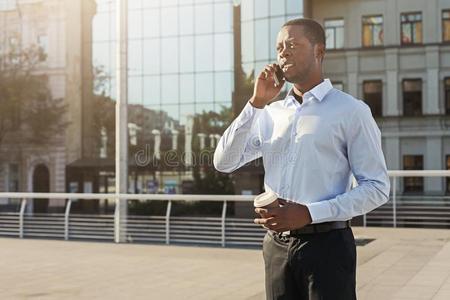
{"points": [[278, 77]]}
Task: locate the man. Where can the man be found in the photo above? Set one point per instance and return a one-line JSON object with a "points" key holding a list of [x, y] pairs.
{"points": [[311, 142]]}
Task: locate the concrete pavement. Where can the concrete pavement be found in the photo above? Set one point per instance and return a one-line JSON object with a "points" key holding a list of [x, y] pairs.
{"points": [[399, 264]]}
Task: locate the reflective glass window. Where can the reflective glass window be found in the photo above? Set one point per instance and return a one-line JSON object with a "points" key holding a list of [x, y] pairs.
{"points": [[169, 55], [223, 17], [169, 89], [151, 26], [135, 24], [204, 53], [262, 9], [277, 7], [187, 88], [223, 54], [100, 27], [247, 42], [135, 90], [223, 85], [203, 18], [186, 54], [169, 21], [135, 57], [152, 56], [186, 16], [204, 85], [152, 90], [262, 39]]}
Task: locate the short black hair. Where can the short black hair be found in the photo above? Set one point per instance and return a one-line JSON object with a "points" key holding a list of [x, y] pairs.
{"points": [[313, 31]]}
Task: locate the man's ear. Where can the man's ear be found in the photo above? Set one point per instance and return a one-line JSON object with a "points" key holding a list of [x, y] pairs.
{"points": [[319, 52]]}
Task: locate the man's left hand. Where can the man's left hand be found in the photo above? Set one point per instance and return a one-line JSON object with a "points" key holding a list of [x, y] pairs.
{"points": [[288, 216]]}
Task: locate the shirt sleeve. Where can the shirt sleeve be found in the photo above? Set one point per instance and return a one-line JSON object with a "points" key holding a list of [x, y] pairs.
{"points": [[368, 165], [241, 142]]}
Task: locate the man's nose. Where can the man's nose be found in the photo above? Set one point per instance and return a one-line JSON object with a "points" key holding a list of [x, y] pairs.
{"points": [[284, 53]]}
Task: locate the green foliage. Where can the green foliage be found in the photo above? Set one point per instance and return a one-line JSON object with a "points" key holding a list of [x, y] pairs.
{"points": [[206, 179], [29, 114]]}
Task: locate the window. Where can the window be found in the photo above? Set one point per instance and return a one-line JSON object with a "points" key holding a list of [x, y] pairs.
{"points": [[448, 178], [334, 32], [247, 42], [204, 53], [13, 42], [294, 7], [8, 5], [413, 184], [42, 41], [338, 85], [262, 39], [262, 9], [372, 34], [411, 28], [373, 96], [169, 55], [223, 59], [204, 18], [446, 25], [447, 95], [412, 97], [169, 21]]}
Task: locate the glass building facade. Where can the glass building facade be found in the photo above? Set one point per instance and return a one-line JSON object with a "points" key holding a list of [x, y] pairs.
{"points": [[261, 21], [182, 69], [180, 54]]}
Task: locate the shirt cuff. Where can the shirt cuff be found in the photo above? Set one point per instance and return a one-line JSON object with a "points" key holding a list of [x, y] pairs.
{"points": [[319, 211], [247, 113]]}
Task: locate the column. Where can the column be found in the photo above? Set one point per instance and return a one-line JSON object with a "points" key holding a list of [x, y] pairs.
{"points": [[391, 103], [433, 158], [430, 100]]}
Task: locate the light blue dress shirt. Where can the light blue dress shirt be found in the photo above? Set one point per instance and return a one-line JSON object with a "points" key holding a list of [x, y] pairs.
{"points": [[310, 151]]}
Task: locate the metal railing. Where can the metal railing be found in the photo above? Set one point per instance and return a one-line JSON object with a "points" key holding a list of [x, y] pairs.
{"points": [[221, 230], [412, 210]]}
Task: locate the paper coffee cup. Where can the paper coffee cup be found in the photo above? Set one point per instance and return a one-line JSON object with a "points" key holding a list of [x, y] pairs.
{"points": [[268, 199]]}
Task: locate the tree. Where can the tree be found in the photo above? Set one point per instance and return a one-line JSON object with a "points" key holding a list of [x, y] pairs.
{"points": [[206, 179], [28, 115], [104, 118]]}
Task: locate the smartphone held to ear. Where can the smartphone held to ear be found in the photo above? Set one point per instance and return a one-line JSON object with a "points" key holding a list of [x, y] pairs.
{"points": [[278, 77]]}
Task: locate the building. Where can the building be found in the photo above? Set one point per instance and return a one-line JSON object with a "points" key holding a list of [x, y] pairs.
{"points": [[395, 56], [47, 24], [180, 64], [192, 61], [256, 26]]}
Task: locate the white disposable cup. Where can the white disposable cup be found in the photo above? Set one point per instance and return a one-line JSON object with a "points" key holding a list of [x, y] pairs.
{"points": [[266, 199]]}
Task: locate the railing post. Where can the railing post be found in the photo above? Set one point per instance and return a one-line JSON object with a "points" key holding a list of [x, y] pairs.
{"points": [[224, 214], [21, 217], [365, 220], [66, 219], [169, 208], [394, 201], [117, 220]]}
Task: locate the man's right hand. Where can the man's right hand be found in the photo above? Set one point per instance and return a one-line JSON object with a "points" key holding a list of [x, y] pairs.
{"points": [[265, 88]]}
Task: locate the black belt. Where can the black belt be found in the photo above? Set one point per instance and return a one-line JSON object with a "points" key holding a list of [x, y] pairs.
{"points": [[320, 228]]}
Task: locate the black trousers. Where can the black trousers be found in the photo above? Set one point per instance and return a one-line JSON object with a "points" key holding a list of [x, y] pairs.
{"points": [[311, 266]]}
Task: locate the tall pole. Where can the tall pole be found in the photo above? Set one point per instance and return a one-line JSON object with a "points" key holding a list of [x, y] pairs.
{"points": [[121, 119]]}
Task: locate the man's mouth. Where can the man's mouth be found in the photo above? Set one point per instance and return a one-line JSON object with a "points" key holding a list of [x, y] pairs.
{"points": [[286, 66]]}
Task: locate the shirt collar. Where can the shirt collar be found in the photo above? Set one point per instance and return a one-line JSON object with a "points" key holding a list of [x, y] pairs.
{"points": [[318, 92]]}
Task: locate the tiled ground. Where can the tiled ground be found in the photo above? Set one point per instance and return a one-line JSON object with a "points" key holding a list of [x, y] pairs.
{"points": [[399, 264]]}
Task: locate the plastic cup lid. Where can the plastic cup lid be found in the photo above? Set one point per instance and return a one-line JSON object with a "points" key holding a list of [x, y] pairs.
{"points": [[264, 199]]}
